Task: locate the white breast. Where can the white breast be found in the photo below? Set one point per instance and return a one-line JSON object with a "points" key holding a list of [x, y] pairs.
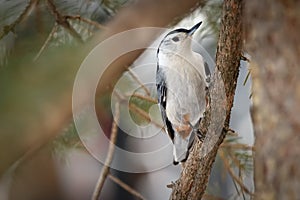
{"points": [[185, 87]]}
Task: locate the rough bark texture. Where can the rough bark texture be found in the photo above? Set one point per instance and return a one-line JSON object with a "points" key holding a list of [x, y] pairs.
{"points": [[195, 175], [274, 45]]}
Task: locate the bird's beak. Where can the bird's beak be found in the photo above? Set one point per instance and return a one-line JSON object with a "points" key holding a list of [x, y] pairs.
{"points": [[194, 28]]}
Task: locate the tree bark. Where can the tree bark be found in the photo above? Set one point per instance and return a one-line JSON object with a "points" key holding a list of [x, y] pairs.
{"points": [[195, 175], [274, 45]]}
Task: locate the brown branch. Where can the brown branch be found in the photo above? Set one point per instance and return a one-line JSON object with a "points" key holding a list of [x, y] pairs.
{"points": [[46, 43], [144, 114], [8, 28], [140, 96], [238, 146], [234, 158], [194, 177], [211, 197], [63, 21], [136, 78], [137, 110], [106, 167], [88, 21], [126, 187], [231, 173]]}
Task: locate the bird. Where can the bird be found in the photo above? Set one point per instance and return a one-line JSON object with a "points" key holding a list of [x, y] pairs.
{"points": [[182, 81]]}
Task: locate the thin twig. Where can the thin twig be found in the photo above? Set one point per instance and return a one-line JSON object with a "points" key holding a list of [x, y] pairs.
{"points": [[105, 170], [120, 96], [244, 58], [237, 146], [143, 97], [137, 110], [126, 187], [63, 21], [143, 114], [234, 177], [230, 132], [88, 21], [136, 78], [240, 176], [54, 29], [247, 77], [211, 197], [234, 158], [236, 187], [8, 28]]}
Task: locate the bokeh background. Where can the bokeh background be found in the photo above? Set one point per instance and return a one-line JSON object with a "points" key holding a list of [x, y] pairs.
{"points": [[41, 155]]}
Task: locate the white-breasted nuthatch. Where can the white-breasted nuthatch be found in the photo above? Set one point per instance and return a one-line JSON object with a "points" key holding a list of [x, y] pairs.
{"points": [[182, 79]]}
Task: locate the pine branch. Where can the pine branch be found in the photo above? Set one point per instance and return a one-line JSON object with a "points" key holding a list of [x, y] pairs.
{"points": [[46, 43], [231, 173], [88, 21], [136, 78], [142, 97], [137, 110], [63, 21], [8, 28], [239, 146]]}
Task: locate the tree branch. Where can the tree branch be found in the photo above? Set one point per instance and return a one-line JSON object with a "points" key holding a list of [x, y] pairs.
{"points": [[63, 21], [137, 110], [8, 28], [194, 177], [88, 21], [126, 187], [234, 177], [46, 43], [142, 97], [136, 78], [110, 154]]}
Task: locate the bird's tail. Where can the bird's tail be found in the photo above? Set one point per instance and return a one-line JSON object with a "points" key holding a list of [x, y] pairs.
{"points": [[182, 145]]}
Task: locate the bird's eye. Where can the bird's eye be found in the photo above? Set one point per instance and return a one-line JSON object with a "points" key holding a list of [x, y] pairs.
{"points": [[175, 39]]}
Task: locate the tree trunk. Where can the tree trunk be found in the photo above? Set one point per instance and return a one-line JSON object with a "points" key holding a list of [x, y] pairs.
{"points": [[274, 45], [194, 177]]}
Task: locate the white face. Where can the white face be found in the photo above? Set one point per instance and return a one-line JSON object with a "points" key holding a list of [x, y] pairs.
{"points": [[176, 42]]}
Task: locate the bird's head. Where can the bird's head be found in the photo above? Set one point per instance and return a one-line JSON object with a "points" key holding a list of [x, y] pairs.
{"points": [[178, 40]]}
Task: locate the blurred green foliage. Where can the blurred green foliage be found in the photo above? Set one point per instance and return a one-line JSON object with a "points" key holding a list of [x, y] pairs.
{"points": [[32, 90]]}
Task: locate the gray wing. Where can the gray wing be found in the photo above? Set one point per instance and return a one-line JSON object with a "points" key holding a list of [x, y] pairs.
{"points": [[162, 100]]}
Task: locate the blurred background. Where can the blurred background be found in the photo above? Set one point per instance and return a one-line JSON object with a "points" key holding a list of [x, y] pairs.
{"points": [[42, 44]]}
